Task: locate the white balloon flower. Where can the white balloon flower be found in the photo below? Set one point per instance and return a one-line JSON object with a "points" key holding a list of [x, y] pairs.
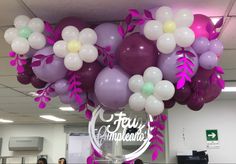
{"points": [[150, 91], [76, 47], [169, 29], [26, 34]]}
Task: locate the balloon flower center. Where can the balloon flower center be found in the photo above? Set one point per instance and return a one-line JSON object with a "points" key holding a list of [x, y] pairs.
{"points": [[25, 32], [169, 26], [148, 88], [73, 46]]}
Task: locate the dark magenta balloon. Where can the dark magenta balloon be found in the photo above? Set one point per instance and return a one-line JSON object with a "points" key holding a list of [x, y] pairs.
{"points": [[136, 53], [169, 103], [199, 84], [182, 94], [69, 21], [203, 73], [195, 102], [37, 83], [28, 70], [88, 74], [213, 90], [23, 78]]}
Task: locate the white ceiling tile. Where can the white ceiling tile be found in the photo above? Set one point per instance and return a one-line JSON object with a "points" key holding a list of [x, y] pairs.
{"points": [[10, 81], [107, 10], [5, 68], [9, 9], [228, 59], [230, 74], [4, 47], [229, 35], [6, 92], [233, 10]]}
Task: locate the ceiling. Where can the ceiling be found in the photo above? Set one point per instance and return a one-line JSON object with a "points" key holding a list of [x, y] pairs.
{"points": [[15, 104]]}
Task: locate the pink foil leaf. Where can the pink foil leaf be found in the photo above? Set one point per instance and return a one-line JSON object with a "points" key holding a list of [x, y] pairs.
{"points": [[134, 12], [148, 14], [219, 23], [155, 155], [219, 70], [88, 114]]}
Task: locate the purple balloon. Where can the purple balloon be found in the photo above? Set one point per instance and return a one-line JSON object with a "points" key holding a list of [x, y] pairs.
{"points": [[217, 47], [53, 94], [49, 72], [66, 99], [111, 88], [61, 86], [108, 35], [168, 63], [195, 102], [201, 45], [208, 60]]}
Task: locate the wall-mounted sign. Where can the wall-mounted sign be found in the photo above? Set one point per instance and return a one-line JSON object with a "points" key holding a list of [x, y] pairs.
{"points": [[120, 136], [212, 138]]}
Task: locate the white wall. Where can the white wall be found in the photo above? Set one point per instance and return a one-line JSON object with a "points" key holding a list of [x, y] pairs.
{"points": [[187, 130], [54, 140]]}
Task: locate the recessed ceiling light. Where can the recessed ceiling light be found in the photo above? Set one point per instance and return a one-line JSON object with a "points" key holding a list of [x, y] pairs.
{"points": [[67, 108], [52, 118], [229, 89], [6, 121], [34, 94], [215, 19]]}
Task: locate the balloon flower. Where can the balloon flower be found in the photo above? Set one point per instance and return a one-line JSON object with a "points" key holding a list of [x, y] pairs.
{"points": [[76, 47], [150, 91], [26, 34], [170, 29]]}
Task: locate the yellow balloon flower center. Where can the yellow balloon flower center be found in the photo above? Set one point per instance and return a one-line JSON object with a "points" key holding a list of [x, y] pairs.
{"points": [[169, 26], [73, 46]]}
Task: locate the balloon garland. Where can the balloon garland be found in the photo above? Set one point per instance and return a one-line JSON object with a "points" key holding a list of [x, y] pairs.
{"points": [[172, 57]]}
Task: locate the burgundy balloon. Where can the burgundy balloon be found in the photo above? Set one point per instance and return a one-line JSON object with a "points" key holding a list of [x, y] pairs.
{"points": [[69, 21], [182, 94], [88, 74], [28, 69], [23, 78], [199, 84], [169, 103], [136, 53], [37, 83], [212, 91], [203, 73], [195, 102]]}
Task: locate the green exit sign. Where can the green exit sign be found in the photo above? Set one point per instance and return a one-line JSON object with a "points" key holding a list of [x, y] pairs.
{"points": [[212, 135]]}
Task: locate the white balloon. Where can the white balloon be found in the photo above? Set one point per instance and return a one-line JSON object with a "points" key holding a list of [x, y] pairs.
{"points": [[88, 36], [164, 14], [166, 43], [60, 48], [21, 21], [36, 24], [184, 37], [20, 45], [37, 40], [184, 17], [136, 83], [153, 30], [154, 106], [152, 74], [10, 34], [137, 102], [88, 53], [70, 33], [164, 90], [73, 62]]}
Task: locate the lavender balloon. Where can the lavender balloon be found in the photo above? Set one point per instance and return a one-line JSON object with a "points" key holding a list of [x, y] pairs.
{"points": [[217, 47], [49, 72], [168, 63], [111, 88], [66, 99], [201, 45], [61, 86], [108, 35], [208, 60]]}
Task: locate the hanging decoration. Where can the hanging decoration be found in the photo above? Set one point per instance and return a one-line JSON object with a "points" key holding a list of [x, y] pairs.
{"points": [[147, 63]]}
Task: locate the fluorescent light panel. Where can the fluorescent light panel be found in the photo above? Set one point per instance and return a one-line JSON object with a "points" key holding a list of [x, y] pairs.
{"points": [[52, 118], [229, 89], [67, 108], [5, 121]]}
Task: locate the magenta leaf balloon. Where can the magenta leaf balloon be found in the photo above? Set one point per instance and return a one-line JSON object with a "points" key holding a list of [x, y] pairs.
{"points": [[134, 12], [74, 87], [18, 61], [51, 37], [44, 96], [185, 67], [107, 57], [219, 23], [148, 14], [157, 141]]}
